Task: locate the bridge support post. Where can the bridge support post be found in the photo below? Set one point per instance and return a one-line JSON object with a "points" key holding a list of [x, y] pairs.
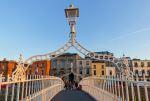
{"points": [[145, 89], [132, 89], [127, 90], [122, 89]]}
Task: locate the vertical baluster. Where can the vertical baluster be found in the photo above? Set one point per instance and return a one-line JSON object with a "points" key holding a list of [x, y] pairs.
{"points": [[132, 89], [18, 91], [1, 80], [118, 84], [29, 91], [32, 81], [12, 94], [39, 82], [22, 94], [115, 85], [104, 83], [7, 85], [145, 89], [42, 87], [138, 89], [127, 90], [26, 82], [35, 84], [122, 88], [112, 84], [109, 84]]}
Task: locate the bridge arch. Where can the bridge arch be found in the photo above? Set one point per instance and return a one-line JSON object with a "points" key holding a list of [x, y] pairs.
{"points": [[72, 42]]}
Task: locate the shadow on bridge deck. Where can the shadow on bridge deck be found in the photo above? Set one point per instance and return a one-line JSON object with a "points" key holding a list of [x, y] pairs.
{"points": [[72, 95]]}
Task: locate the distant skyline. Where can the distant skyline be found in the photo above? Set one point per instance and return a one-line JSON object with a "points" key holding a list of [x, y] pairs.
{"points": [[33, 27]]}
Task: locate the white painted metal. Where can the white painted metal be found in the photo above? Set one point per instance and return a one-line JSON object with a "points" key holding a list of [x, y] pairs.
{"points": [[20, 71], [90, 86], [106, 88], [19, 89]]}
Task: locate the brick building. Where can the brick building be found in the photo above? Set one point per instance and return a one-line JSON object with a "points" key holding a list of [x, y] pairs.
{"points": [[7, 67], [40, 68]]}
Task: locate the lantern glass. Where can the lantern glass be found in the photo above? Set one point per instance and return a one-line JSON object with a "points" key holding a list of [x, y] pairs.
{"points": [[72, 13]]}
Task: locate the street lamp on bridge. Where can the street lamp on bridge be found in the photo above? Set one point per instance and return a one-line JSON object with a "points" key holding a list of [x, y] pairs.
{"points": [[72, 14]]}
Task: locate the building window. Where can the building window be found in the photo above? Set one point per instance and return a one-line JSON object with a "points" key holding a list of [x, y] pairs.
{"points": [[35, 65], [30, 72], [136, 72], [148, 64], [135, 64], [80, 71], [140, 73], [36, 70], [106, 57], [94, 72], [54, 64], [101, 57], [103, 72], [148, 72], [43, 65], [94, 67], [143, 72], [87, 71], [110, 73], [96, 56], [111, 58], [63, 63], [80, 62], [42, 72], [87, 63], [102, 66], [142, 64]]}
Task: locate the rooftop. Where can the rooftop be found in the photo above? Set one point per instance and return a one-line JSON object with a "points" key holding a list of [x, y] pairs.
{"points": [[104, 52]]}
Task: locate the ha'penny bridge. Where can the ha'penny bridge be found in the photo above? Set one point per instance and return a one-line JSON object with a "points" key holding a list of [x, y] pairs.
{"points": [[125, 86]]}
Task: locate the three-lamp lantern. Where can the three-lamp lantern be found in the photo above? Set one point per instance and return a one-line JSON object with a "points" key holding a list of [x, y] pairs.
{"points": [[72, 14]]}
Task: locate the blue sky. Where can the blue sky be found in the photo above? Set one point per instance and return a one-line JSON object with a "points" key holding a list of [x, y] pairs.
{"points": [[35, 27]]}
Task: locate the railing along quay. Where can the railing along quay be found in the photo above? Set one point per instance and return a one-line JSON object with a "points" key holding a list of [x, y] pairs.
{"points": [[110, 88], [34, 87]]}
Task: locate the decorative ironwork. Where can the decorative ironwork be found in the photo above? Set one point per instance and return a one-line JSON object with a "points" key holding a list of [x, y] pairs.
{"points": [[74, 43], [19, 74]]}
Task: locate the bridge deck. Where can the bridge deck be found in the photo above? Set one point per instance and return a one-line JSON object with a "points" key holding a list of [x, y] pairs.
{"points": [[72, 95]]}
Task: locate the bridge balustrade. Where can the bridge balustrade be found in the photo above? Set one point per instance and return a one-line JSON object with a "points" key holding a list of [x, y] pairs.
{"points": [[110, 88], [33, 88]]}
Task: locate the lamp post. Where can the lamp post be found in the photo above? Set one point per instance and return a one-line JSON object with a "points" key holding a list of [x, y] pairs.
{"points": [[72, 14]]}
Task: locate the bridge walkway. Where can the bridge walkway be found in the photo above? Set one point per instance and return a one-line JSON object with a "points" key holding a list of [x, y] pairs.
{"points": [[72, 95]]}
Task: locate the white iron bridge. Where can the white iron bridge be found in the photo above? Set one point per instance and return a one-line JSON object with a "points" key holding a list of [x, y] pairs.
{"points": [[125, 86]]}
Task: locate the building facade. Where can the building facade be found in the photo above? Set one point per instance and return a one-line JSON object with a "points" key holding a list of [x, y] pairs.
{"points": [[98, 68], [63, 65], [141, 68], [7, 67], [83, 68], [110, 71], [89, 67], [39, 68]]}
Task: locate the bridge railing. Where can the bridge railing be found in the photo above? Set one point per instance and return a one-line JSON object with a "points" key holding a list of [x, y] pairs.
{"points": [[34, 87], [111, 88]]}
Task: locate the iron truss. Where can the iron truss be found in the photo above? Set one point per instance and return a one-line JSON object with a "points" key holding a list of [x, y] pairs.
{"points": [[74, 43], [118, 63]]}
